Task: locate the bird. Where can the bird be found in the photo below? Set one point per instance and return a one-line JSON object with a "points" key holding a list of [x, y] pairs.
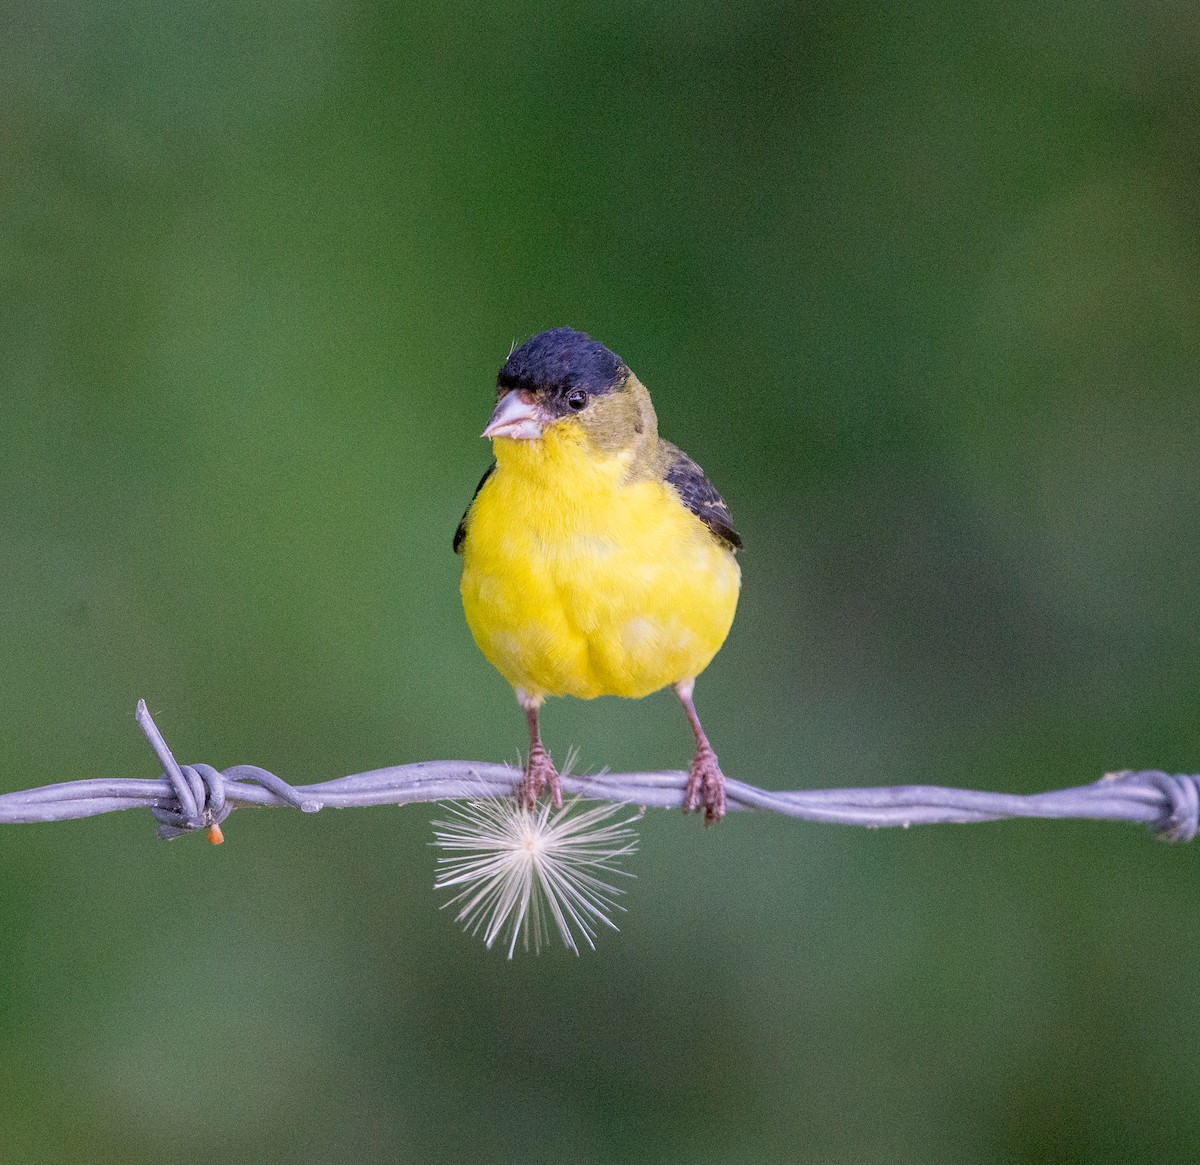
{"points": [[597, 558]]}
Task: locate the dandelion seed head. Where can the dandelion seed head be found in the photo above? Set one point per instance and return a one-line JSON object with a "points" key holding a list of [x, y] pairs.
{"points": [[516, 870]]}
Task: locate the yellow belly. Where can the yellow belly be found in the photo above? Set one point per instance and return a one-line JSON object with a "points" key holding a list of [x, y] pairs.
{"points": [[575, 583]]}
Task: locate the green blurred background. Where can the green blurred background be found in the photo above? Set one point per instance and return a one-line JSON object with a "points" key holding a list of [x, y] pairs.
{"points": [[920, 289]]}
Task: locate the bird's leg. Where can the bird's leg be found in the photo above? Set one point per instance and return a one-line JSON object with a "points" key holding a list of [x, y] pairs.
{"points": [[706, 782], [539, 769]]}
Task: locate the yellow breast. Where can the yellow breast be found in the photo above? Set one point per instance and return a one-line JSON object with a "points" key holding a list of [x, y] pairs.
{"points": [[578, 582]]}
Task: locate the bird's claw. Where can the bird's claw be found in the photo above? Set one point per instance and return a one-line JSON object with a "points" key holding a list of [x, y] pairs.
{"points": [[706, 786], [540, 773]]}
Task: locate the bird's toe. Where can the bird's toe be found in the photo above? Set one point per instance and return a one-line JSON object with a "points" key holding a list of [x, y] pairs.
{"points": [[706, 786], [540, 774]]}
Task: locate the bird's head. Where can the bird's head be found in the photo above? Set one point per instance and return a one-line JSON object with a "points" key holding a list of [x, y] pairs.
{"points": [[564, 384]]}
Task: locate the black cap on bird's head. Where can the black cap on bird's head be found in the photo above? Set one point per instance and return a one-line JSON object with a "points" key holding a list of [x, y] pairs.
{"points": [[554, 374], [556, 361]]}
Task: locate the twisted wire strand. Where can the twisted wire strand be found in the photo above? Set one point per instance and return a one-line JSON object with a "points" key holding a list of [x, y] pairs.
{"points": [[194, 797]]}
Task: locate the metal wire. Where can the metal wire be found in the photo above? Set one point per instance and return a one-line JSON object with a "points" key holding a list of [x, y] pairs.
{"points": [[199, 797]]}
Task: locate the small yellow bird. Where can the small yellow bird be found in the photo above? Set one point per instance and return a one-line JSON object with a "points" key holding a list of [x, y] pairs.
{"points": [[598, 560]]}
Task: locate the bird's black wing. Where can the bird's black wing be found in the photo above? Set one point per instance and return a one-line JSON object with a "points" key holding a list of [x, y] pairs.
{"points": [[461, 532], [700, 495]]}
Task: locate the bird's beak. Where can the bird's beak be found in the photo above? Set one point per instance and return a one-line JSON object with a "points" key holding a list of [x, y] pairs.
{"points": [[517, 417]]}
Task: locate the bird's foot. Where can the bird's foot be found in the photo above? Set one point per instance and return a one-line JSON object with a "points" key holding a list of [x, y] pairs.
{"points": [[540, 773], [706, 786]]}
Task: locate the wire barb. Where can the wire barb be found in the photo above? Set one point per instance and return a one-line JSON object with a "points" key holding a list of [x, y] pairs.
{"points": [[187, 798]]}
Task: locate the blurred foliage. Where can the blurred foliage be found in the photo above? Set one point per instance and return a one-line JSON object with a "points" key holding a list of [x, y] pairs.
{"points": [[918, 287]]}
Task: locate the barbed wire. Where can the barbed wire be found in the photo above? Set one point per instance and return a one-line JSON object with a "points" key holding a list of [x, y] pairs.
{"points": [[186, 798]]}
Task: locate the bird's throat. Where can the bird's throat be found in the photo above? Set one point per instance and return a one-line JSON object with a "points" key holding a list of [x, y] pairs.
{"points": [[562, 461]]}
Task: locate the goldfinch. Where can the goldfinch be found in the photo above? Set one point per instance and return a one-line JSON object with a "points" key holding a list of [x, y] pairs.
{"points": [[597, 559]]}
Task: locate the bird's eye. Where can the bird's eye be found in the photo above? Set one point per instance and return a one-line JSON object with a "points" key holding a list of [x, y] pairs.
{"points": [[576, 399]]}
